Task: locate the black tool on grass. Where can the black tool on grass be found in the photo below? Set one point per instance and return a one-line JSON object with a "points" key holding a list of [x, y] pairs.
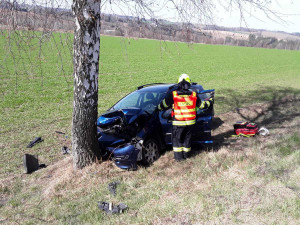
{"points": [[34, 142]]}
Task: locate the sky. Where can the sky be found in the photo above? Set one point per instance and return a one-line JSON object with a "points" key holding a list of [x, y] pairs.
{"points": [[289, 9]]}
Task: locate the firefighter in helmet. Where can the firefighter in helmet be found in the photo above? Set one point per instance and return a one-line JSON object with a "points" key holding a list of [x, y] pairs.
{"points": [[185, 104]]}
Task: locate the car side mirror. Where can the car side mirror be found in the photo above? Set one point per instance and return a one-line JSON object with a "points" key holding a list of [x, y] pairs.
{"points": [[167, 114]]}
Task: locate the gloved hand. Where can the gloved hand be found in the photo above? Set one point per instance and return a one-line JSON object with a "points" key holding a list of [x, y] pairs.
{"points": [[212, 97]]}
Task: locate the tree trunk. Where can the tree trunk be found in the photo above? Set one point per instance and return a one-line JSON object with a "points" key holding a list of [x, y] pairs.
{"points": [[85, 148]]}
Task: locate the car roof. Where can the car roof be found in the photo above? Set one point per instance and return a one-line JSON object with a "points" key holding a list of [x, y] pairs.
{"points": [[155, 87], [163, 87]]}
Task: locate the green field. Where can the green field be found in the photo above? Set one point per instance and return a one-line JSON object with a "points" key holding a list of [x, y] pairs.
{"points": [[36, 100]]}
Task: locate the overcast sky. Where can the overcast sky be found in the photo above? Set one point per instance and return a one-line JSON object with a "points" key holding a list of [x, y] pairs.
{"points": [[290, 10]]}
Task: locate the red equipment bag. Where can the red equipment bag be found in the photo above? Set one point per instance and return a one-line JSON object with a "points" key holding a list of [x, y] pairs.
{"points": [[245, 128]]}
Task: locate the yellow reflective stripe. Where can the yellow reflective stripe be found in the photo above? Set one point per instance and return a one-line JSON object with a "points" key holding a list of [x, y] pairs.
{"points": [[165, 104], [184, 116], [241, 134], [207, 103], [187, 103], [186, 149], [184, 96], [174, 93], [194, 93], [184, 110], [176, 149], [202, 105], [183, 123], [159, 107]]}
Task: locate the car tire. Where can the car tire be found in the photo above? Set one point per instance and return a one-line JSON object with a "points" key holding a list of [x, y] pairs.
{"points": [[150, 152]]}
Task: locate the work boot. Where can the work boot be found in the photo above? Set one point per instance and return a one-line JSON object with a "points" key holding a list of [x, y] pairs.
{"points": [[186, 155], [178, 156]]}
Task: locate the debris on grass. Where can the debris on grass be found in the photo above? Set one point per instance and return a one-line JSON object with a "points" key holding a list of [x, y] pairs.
{"points": [[65, 150], [112, 187], [34, 142], [263, 131], [109, 209], [31, 163]]}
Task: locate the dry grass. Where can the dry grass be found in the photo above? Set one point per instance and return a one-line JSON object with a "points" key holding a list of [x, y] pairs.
{"points": [[235, 181]]}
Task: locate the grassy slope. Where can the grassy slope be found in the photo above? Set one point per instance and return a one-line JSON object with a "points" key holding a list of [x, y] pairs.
{"points": [[36, 103], [250, 181]]}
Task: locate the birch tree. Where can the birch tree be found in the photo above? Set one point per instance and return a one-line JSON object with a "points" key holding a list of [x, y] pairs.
{"points": [[86, 70]]}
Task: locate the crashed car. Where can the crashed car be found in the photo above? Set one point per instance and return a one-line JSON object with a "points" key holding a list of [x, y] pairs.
{"points": [[134, 129]]}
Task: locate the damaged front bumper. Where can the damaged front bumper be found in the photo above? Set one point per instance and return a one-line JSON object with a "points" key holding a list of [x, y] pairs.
{"points": [[127, 155]]}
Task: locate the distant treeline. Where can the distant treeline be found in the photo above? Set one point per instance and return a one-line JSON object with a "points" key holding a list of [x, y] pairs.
{"points": [[264, 42], [36, 17]]}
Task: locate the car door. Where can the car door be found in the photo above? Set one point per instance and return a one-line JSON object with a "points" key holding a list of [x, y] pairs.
{"points": [[202, 128], [166, 124]]}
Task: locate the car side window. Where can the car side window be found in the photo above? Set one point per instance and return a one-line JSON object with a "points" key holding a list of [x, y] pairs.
{"points": [[150, 98], [131, 101]]}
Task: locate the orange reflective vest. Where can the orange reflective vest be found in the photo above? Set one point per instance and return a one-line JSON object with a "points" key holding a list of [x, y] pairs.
{"points": [[184, 108]]}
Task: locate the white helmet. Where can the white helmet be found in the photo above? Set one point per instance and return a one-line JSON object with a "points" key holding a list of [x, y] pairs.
{"points": [[184, 77]]}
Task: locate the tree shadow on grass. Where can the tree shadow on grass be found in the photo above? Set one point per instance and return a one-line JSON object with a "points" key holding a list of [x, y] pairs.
{"points": [[281, 106]]}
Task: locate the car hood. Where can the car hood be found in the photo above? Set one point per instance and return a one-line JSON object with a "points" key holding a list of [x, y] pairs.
{"points": [[127, 116]]}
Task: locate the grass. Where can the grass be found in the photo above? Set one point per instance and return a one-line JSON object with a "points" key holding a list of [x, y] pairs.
{"points": [[228, 186], [245, 183]]}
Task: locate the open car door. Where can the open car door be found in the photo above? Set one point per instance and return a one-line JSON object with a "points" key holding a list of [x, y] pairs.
{"points": [[202, 128]]}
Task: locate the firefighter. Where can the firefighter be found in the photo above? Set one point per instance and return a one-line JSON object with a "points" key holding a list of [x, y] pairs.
{"points": [[185, 104]]}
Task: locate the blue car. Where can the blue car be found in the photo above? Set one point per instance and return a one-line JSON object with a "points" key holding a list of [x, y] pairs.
{"points": [[134, 130]]}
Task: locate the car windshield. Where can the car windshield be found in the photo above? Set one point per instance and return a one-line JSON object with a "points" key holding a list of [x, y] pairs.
{"points": [[147, 101]]}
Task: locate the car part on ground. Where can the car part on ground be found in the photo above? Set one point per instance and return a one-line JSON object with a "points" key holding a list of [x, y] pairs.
{"points": [[109, 208], [112, 187], [31, 163], [65, 150], [34, 142]]}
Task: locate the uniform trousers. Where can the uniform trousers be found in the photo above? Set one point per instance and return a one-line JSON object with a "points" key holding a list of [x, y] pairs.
{"points": [[181, 140]]}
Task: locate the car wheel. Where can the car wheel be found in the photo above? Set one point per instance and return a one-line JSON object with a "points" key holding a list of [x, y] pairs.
{"points": [[150, 152]]}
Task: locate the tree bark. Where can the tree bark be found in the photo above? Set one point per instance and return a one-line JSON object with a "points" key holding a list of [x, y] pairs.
{"points": [[85, 148]]}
